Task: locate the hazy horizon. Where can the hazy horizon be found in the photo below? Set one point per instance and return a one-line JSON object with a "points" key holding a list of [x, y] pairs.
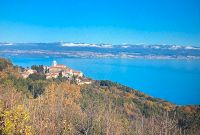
{"points": [[92, 43]]}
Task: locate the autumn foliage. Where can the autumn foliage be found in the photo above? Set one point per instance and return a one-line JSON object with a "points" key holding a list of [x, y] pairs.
{"points": [[59, 107]]}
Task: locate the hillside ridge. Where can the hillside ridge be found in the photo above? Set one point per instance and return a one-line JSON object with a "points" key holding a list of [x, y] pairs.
{"points": [[101, 107]]}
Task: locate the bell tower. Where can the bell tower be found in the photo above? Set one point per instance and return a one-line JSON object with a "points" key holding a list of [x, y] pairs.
{"points": [[54, 63]]}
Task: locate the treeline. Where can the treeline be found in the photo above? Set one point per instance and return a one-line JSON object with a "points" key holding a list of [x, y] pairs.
{"points": [[39, 106]]}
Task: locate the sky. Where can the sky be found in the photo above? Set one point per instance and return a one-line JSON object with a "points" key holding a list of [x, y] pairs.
{"points": [[174, 22]]}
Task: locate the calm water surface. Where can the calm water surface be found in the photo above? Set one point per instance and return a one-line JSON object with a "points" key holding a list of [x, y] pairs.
{"points": [[177, 81]]}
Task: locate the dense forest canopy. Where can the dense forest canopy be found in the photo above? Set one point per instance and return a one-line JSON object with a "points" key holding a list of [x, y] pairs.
{"points": [[36, 105]]}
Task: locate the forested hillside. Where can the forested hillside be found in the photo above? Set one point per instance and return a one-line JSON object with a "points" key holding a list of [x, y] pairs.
{"points": [[57, 106]]}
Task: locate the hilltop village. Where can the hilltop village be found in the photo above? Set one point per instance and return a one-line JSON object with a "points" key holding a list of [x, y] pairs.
{"points": [[57, 71]]}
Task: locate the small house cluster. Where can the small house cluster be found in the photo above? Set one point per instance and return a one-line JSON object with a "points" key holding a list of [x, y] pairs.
{"points": [[28, 72], [59, 70]]}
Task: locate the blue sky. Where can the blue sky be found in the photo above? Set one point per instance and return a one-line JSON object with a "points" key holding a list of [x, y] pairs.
{"points": [[101, 21]]}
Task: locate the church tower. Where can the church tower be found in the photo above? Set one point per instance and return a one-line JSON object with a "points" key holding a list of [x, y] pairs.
{"points": [[54, 63]]}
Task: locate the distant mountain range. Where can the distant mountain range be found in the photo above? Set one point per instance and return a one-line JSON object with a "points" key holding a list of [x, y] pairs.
{"points": [[85, 50]]}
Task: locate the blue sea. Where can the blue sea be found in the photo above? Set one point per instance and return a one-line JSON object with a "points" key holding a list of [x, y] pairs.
{"points": [[177, 81]]}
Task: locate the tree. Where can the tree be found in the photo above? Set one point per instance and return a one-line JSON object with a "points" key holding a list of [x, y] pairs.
{"points": [[5, 63], [37, 76], [40, 68], [14, 117], [15, 121], [58, 108]]}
